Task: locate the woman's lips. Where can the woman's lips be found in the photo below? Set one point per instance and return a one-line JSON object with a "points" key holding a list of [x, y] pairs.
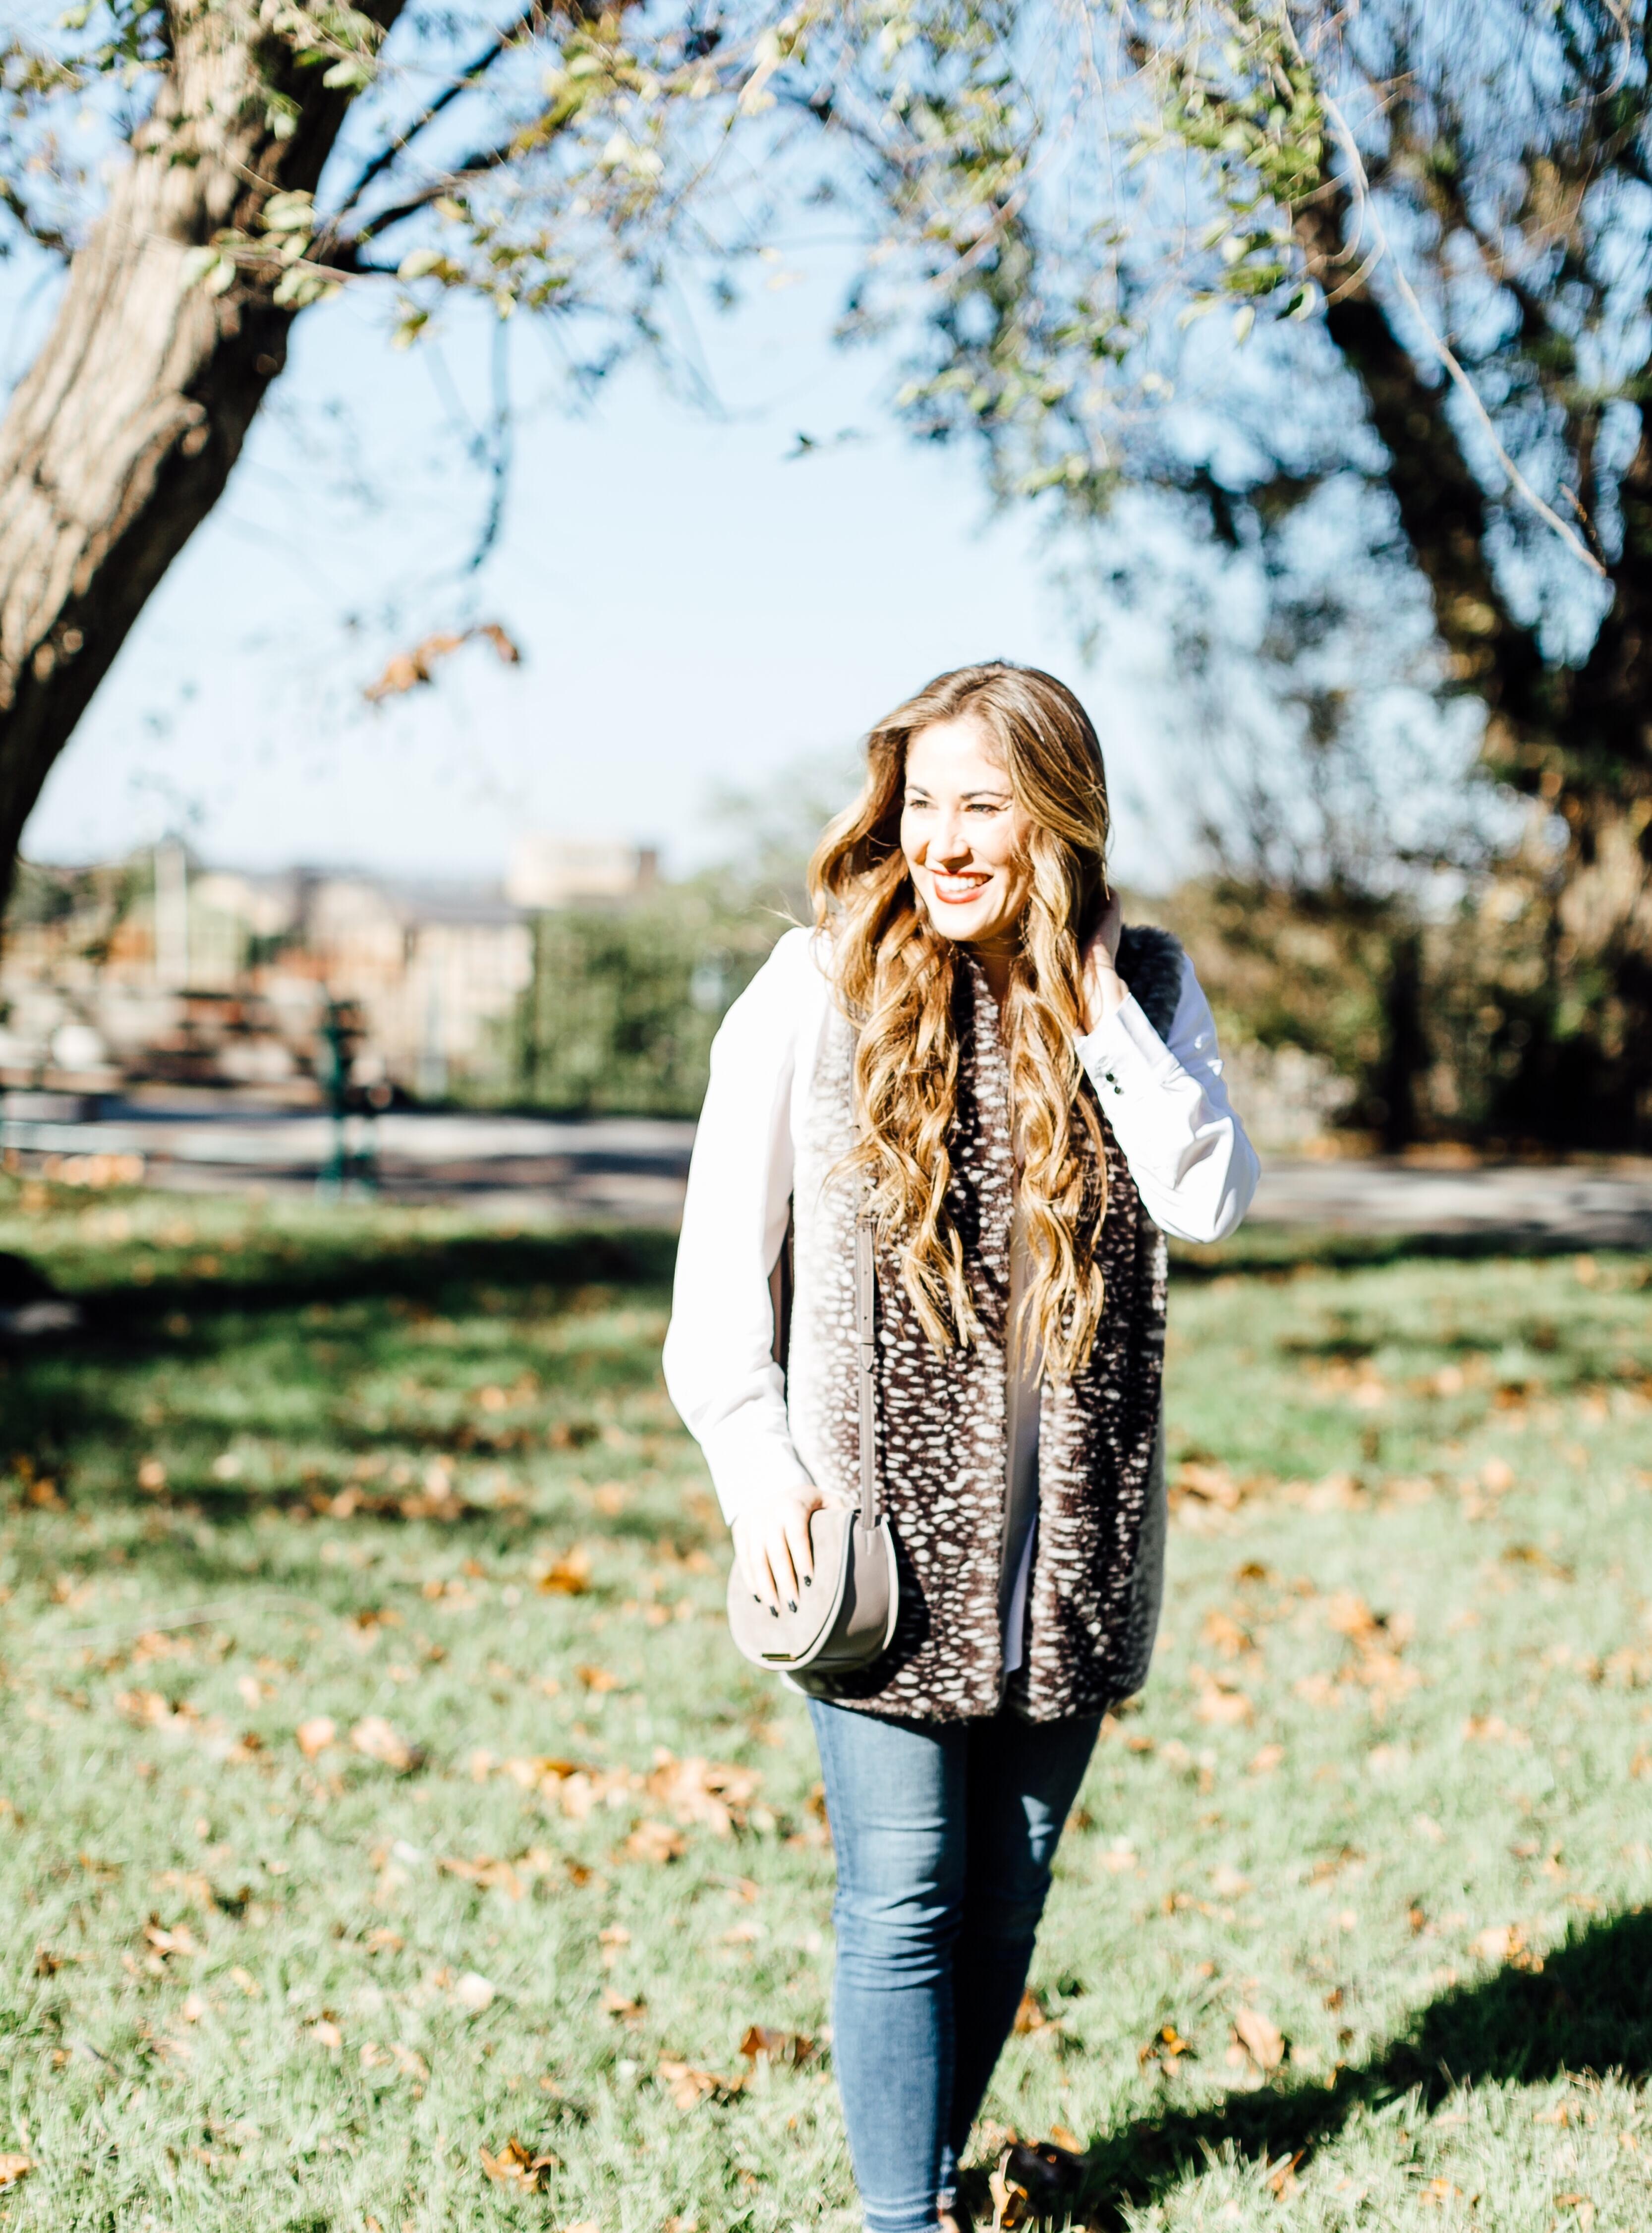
{"points": [[958, 891]]}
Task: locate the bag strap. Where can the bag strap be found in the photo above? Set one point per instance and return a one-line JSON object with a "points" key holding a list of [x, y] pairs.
{"points": [[866, 1297]]}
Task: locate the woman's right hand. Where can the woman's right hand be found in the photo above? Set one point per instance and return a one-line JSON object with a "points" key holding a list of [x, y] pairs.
{"points": [[772, 1546]]}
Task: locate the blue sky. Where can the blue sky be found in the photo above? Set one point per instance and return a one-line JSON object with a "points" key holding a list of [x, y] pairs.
{"points": [[696, 608]]}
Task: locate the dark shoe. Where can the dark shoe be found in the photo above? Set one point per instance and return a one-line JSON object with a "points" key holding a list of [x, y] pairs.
{"points": [[1035, 2179]]}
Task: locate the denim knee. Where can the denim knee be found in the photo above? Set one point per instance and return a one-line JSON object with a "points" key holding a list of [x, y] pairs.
{"points": [[1004, 1916], [890, 1940]]}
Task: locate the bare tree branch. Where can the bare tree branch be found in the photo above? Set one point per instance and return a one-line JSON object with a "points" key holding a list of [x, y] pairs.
{"points": [[467, 80]]}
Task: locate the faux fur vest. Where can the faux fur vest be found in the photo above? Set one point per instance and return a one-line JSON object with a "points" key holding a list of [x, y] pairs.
{"points": [[1093, 1602]]}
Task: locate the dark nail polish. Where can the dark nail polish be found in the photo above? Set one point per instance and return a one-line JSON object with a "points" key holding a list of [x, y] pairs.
{"points": [[792, 1604], [809, 1581], [774, 1612]]}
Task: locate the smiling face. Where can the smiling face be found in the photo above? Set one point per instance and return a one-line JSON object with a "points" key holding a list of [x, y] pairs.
{"points": [[964, 838]]}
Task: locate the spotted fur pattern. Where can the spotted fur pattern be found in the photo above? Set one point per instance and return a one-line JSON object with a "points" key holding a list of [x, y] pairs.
{"points": [[1094, 1598]]}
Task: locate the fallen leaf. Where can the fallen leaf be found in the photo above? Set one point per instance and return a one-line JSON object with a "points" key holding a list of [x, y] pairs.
{"points": [[327, 2033], [655, 1842], [1259, 2038], [519, 2167], [178, 1940], [1227, 1882], [193, 2008], [1492, 1728], [491, 1875], [374, 1739], [315, 1734], [1347, 1614], [473, 1992], [1030, 2015], [761, 2044], [1069, 2140], [689, 2086], [1222, 1706], [597, 1679], [1012, 2205], [14, 2168], [1166, 2046], [1499, 1942], [1206, 1484], [1267, 1760], [623, 2011], [153, 1710], [706, 1790], [1281, 2179], [1337, 1492], [1223, 1633], [568, 1576]]}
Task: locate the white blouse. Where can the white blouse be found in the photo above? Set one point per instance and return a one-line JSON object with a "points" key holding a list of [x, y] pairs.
{"points": [[1195, 1170]]}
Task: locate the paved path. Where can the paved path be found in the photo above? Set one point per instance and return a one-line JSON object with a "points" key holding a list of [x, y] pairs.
{"points": [[633, 1170], [1606, 1204]]}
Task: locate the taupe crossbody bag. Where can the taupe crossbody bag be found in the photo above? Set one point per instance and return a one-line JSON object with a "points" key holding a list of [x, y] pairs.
{"points": [[847, 1617]]}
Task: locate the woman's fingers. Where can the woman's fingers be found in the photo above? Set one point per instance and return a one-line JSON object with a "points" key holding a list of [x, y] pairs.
{"points": [[777, 1543], [753, 1559], [799, 1549], [775, 1554]]}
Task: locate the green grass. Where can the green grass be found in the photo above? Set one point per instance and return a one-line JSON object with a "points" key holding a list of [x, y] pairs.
{"points": [[1389, 1789]]}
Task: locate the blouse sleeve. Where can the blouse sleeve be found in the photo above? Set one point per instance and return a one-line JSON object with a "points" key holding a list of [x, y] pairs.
{"points": [[1169, 1110], [718, 1355]]}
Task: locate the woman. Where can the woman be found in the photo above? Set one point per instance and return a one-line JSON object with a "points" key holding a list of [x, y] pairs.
{"points": [[1026, 1097]]}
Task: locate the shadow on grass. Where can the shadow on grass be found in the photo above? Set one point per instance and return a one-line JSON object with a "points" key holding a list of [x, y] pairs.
{"points": [[1588, 2008], [431, 1273], [1281, 1252]]}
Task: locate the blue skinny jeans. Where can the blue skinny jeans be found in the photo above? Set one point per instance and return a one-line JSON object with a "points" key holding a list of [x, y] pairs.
{"points": [[945, 1834]]}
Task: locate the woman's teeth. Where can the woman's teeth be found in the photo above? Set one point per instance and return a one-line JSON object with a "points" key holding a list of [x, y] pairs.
{"points": [[957, 889]]}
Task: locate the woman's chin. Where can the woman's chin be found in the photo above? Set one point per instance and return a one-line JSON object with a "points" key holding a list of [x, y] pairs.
{"points": [[977, 934]]}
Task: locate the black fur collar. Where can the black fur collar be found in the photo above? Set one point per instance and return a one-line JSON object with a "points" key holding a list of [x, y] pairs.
{"points": [[1150, 964]]}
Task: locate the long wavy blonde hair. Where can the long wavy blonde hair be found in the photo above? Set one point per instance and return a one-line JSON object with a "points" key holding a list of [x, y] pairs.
{"points": [[897, 977]]}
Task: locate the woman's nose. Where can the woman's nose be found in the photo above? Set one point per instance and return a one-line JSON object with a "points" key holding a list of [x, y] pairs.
{"points": [[950, 841]]}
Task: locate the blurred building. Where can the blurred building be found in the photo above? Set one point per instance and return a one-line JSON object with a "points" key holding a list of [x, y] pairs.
{"points": [[163, 970]]}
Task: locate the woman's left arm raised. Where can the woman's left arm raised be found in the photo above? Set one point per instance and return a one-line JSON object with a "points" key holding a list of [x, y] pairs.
{"points": [[1166, 1100]]}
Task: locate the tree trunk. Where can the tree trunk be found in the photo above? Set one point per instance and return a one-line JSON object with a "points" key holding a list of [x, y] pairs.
{"points": [[120, 438], [1405, 1053], [1578, 740]]}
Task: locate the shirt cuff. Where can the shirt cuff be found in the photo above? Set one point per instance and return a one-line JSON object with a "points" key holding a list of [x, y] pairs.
{"points": [[1124, 1052], [749, 1460]]}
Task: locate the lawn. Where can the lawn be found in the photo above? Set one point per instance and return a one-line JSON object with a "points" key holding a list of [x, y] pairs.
{"points": [[390, 1838]]}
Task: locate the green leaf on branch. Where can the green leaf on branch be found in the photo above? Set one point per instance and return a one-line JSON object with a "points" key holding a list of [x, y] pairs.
{"points": [[290, 212]]}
